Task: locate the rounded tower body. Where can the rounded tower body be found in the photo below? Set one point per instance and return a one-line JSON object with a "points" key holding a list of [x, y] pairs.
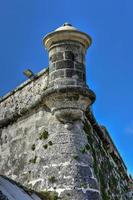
{"points": [[67, 72], [67, 48]]}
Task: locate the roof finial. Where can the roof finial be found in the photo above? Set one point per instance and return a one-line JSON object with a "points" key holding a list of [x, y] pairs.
{"points": [[67, 24]]}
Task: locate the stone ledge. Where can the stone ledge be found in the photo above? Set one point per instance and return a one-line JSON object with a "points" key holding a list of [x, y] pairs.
{"points": [[85, 91]]}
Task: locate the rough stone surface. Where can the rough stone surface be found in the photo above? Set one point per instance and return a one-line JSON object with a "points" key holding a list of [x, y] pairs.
{"points": [[59, 159], [66, 61], [50, 141], [63, 161], [111, 177], [23, 98]]}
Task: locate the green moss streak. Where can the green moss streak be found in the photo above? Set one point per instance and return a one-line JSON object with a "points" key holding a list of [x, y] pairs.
{"points": [[33, 160], [43, 135], [33, 147], [50, 143], [45, 146], [52, 179], [48, 195], [82, 149], [75, 156], [95, 149]]}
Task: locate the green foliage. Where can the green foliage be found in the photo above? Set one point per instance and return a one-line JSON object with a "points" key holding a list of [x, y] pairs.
{"points": [[33, 160], [45, 146], [87, 128], [82, 149], [83, 185], [113, 184], [50, 143], [48, 195], [33, 147], [43, 135], [52, 179], [87, 146], [75, 156], [94, 147]]}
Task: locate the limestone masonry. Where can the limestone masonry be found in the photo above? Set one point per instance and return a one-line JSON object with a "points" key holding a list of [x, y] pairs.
{"points": [[51, 146]]}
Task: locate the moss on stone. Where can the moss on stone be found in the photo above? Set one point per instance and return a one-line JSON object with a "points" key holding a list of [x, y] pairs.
{"points": [[52, 179], [45, 146], [33, 160], [104, 169], [50, 143], [75, 156], [95, 149], [87, 146], [33, 147], [87, 128], [82, 149], [47, 195], [83, 185], [43, 135]]}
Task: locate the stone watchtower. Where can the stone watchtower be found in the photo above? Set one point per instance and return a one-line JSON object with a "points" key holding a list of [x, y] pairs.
{"points": [[50, 141], [68, 96]]}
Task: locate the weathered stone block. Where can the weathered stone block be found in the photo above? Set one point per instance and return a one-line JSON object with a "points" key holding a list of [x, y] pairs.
{"points": [[64, 64], [69, 55], [74, 74], [56, 56], [57, 74], [65, 81], [79, 66], [79, 57]]}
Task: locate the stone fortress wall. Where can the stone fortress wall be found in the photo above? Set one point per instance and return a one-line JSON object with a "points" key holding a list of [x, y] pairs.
{"points": [[49, 138]]}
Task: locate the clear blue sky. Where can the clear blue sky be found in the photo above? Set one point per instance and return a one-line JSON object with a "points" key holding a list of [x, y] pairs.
{"points": [[23, 23]]}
